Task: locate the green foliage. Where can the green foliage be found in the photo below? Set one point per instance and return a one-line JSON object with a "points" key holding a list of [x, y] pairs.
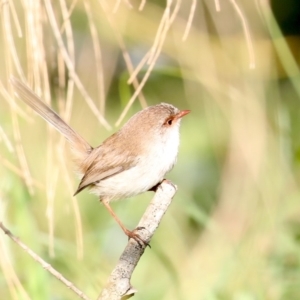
{"points": [[232, 231]]}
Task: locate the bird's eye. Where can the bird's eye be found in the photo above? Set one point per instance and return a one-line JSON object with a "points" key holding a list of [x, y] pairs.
{"points": [[169, 122]]}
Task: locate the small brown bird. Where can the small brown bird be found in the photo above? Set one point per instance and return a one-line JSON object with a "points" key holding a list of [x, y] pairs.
{"points": [[131, 161]]}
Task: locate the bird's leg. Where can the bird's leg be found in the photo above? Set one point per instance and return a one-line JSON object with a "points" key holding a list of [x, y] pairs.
{"points": [[131, 234]]}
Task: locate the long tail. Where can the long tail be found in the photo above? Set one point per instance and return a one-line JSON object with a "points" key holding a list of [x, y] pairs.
{"points": [[78, 143]]}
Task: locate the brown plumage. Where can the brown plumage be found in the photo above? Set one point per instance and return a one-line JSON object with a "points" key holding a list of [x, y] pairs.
{"points": [[130, 162]]}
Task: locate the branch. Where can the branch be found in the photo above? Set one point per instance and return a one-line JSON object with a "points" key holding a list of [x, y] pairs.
{"points": [[118, 284], [44, 264]]}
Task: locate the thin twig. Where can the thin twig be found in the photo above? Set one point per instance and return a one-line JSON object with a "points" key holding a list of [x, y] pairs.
{"points": [[118, 284], [44, 264]]}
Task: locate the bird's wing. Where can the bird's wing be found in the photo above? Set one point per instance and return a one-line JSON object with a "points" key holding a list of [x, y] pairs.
{"points": [[105, 162]]}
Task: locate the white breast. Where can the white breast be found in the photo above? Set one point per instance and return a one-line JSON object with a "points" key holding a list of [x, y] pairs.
{"points": [[149, 170]]}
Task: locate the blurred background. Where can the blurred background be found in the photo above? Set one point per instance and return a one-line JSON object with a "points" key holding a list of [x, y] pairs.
{"points": [[233, 229]]}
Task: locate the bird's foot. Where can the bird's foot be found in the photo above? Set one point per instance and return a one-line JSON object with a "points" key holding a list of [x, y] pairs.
{"points": [[135, 235]]}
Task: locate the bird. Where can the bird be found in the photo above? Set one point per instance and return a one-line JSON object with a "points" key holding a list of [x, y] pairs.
{"points": [[133, 160]]}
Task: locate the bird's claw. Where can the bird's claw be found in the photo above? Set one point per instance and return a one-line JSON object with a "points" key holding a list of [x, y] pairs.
{"points": [[135, 235]]}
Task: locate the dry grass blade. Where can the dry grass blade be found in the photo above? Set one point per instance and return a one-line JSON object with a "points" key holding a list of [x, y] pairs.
{"points": [[247, 34], [154, 53], [21, 155], [117, 5], [142, 5], [125, 54], [7, 97], [98, 57], [52, 179], [70, 66], [35, 43], [163, 25], [66, 18], [74, 203], [138, 68], [6, 141], [190, 20], [217, 4], [67, 113], [9, 41], [19, 172], [15, 18]]}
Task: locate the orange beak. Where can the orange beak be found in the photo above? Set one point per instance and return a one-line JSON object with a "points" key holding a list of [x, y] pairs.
{"points": [[182, 113]]}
